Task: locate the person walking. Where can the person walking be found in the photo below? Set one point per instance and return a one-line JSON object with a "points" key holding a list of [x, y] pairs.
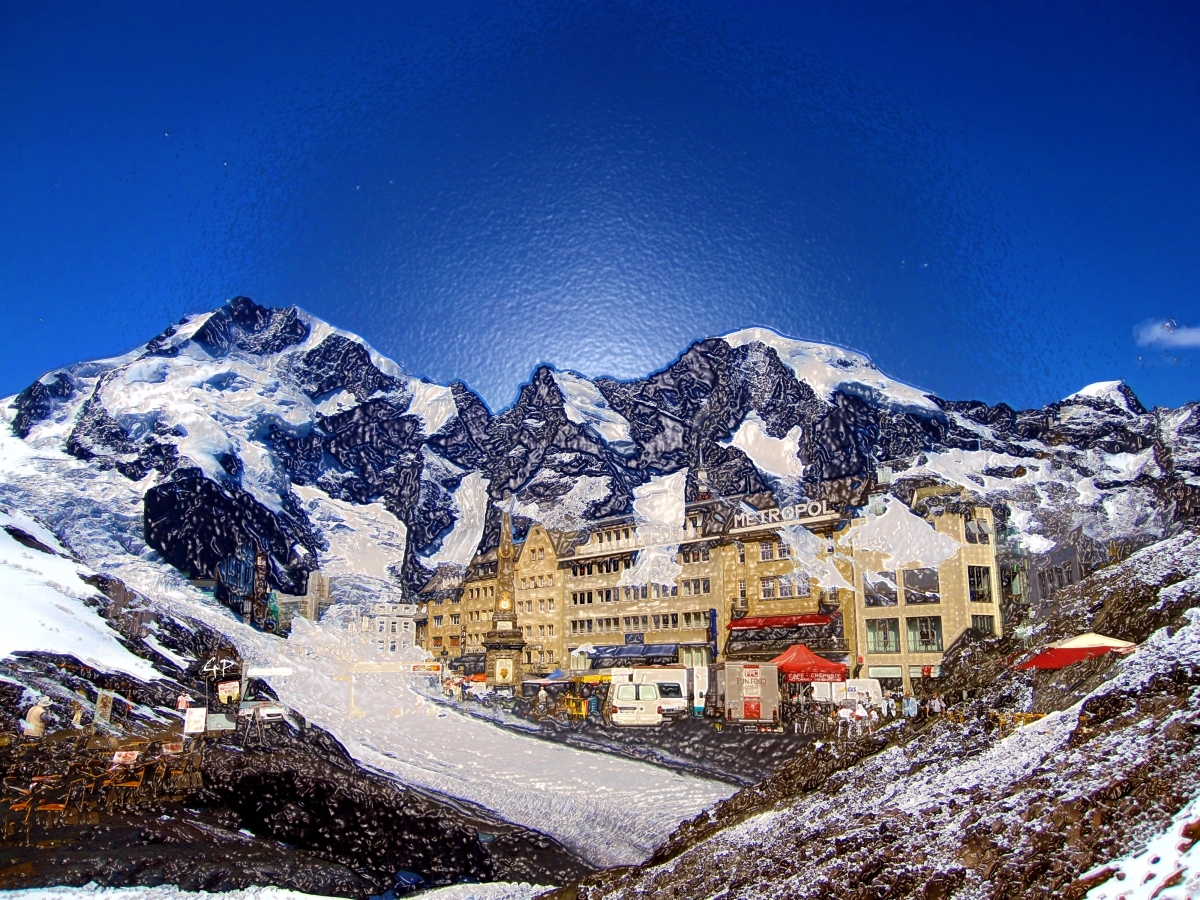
{"points": [[910, 705], [936, 705]]}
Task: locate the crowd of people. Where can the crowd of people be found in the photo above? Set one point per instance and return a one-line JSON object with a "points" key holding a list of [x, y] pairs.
{"points": [[862, 715]]}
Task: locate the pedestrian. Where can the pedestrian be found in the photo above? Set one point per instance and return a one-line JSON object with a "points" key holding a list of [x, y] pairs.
{"points": [[936, 705], [35, 726], [77, 709], [542, 698], [889, 706], [909, 705], [183, 701]]}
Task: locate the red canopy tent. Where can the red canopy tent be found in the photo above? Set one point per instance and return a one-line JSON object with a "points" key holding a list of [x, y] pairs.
{"points": [[1076, 649], [798, 663]]}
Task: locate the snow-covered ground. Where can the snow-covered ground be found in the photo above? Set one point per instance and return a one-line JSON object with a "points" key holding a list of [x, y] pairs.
{"points": [[496, 891], [612, 811]]}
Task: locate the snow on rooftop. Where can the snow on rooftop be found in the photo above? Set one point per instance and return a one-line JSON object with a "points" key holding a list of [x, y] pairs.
{"points": [[826, 368], [585, 405]]}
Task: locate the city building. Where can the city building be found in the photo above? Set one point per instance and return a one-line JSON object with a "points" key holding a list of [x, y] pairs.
{"points": [[905, 618], [392, 626]]}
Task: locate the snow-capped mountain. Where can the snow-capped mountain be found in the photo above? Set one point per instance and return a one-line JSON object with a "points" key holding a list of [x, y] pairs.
{"points": [[268, 426]]}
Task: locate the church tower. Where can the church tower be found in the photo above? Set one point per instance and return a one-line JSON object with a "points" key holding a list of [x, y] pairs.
{"points": [[504, 642]]}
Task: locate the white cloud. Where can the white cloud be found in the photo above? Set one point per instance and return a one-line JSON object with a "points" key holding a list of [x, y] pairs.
{"points": [[1166, 333]]}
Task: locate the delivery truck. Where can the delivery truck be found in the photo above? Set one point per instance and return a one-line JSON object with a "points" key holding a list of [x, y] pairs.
{"points": [[747, 694]]}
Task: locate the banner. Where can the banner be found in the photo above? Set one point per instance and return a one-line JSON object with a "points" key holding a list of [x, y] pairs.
{"points": [[229, 691], [195, 720], [104, 706]]}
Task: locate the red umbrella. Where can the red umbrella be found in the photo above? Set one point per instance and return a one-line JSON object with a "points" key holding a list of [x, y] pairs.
{"points": [[798, 663], [1086, 646]]}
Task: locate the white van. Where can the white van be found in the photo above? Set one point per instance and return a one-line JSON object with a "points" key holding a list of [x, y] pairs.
{"points": [[635, 704], [673, 683]]}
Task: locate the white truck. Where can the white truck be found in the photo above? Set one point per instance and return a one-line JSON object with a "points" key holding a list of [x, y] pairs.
{"points": [[748, 695]]}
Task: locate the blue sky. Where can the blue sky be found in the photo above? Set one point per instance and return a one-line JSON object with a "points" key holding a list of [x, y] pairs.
{"points": [[993, 203]]}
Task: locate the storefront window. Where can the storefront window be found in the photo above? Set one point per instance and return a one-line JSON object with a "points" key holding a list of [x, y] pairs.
{"points": [[883, 635]]}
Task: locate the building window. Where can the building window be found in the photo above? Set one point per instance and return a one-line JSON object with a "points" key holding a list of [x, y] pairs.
{"points": [[541, 631], [986, 624], [785, 587], [784, 550], [768, 585], [765, 550], [921, 586], [741, 589], [978, 531], [550, 605], [437, 621], [925, 634], [437, 641], [883, 635], [979, 579], [741, 552], [550, 630], [705, 586], [1069, 572], [454, 619]]}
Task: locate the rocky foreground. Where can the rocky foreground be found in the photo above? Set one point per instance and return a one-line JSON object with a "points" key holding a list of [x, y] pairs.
{"points": [[969, 805]]}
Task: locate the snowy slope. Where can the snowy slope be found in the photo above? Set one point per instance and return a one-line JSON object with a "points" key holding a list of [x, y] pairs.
{"points": [[826, 368]]}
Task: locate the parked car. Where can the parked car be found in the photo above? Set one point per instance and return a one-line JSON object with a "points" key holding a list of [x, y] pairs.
{"points": [[636, 704]]}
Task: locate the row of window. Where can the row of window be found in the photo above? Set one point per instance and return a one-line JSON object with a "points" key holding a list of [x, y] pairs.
{"points": [[544, 657], [438, 621], [481, 593], [393, 626], [698, 554], [781, 586], [924, 633], [1063, 574], [538, 581], [602, 566], [634, 624], [542, 631], [922, 586], [543, 605], [639, 592]]}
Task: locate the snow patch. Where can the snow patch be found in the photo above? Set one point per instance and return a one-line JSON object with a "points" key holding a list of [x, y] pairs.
{"points": [[826, 368], [1104, 390], [585, 405], [470, 506], [44, 609], [903, 538], [658, 510], [364, 539], [433, 404], [775, 456]]}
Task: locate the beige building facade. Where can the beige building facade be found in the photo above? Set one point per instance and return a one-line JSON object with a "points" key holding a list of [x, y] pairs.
{"points": [[739, 594], [906, 618]]}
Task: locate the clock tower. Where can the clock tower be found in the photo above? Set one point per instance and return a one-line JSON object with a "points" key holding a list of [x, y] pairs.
{"points": [[504, 641]]}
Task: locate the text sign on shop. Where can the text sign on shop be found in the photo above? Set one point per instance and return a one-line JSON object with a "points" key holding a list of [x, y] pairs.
{"points": [[752, 685]]}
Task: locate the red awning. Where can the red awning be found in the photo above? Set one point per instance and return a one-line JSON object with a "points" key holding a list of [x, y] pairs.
{"points": [[1076, 649], [799, 664], [778, 621]]}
